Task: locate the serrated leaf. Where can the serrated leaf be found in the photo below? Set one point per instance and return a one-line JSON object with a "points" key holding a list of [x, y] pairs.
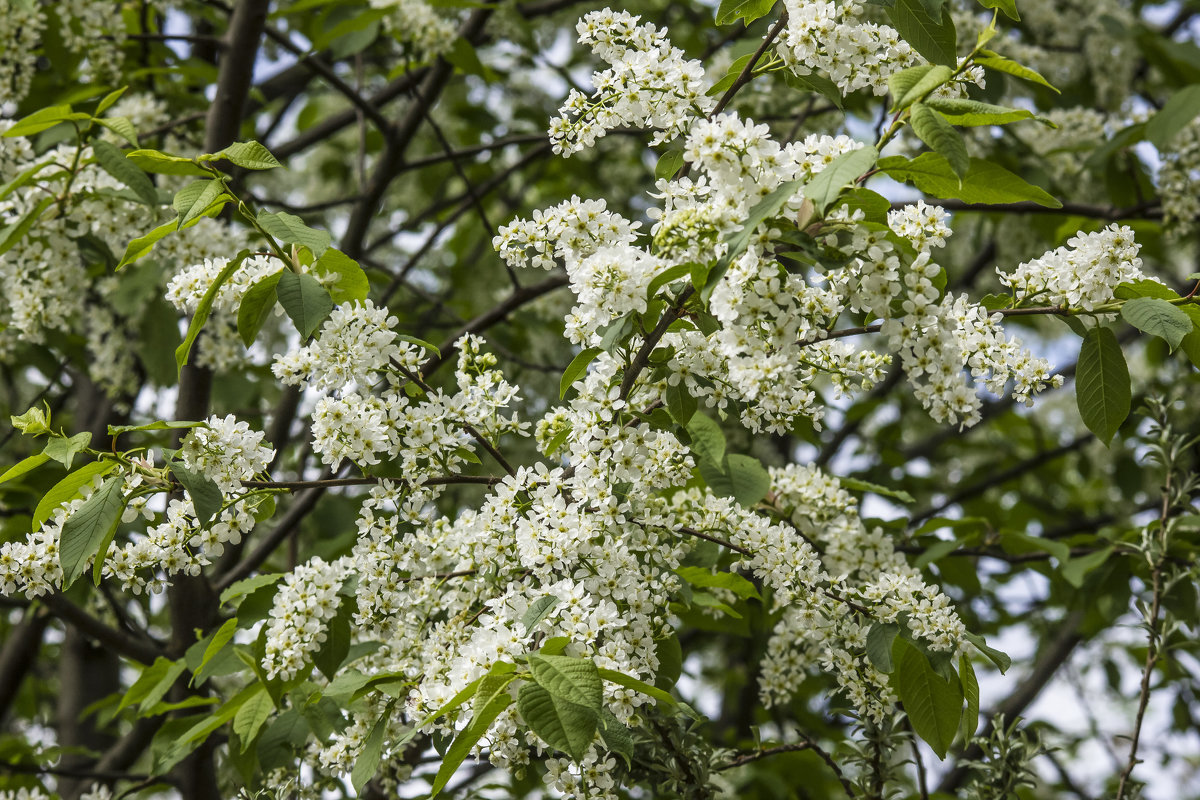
{"points": [[291, 229], [748, 480], [933, 129], [496, 699], [926, 82], [345, 279], [984, 183], [563, 725], [367, 763], [708, 442], [575, 680], [255, 309], [538, 610], [827, 185], [879, 645], [89, 527], [249, 155], [973, 113], [997, 657], [304, 300], [1102, 391], [858, 485], [899, 83], [122, 127], [999, 63], [114, 162], [64, 449], [251, 716], [24, 465], [970, 687], [332, 652], [1157, 317], [43, 119], [934, 705], [730, 11], [68, 489], [699, 576], [577, 367], [206, 496], [934, 38], [192, 201]]}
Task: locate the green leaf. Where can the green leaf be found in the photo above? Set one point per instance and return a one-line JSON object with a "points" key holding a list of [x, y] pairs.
{"points": [[973, 113], [999, 63], [857, 485], [63, 449], [1144, 288], [1009, 7], [749, 481], [997, 657], [216, 644], [1179, 110], [152, 684], [1157, 317], [670, 662], [291, 229], [165, 164], [23, 178], [89, 527], [738, 241], [24, 465], [577, 367], [158, 425], [934, 705], [900, 83], [700, 576], [875, 207], [933, 129], [730, 11], [680, 403], [925, 82], [563, 725], [249, 155], [1076, 569], [16, 232], [206, 497], [728, 79], [668, 164], [575, 680], [332, 652], [1102, 391], [122, 127], [367, 763], [305, 301], [493, 697], [935, 39], [107, 101], [256, 306], [251, 716], [708, 442], [247, 586], [630, 682], [879, 645], [970, 687], [194, 200], [827, 185], [342, 276], [142, 245], [538, 610], [617, 737], [44, 119], [68, 489], [985, 182]]}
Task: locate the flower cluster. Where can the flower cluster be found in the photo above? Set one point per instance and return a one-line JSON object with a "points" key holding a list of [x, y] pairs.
{"points": [[418, 27], [1082, 273], [649, 84], [21, 25]]}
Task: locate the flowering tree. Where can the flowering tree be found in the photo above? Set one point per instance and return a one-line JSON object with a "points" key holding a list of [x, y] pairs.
{"points": [[516, 398]]}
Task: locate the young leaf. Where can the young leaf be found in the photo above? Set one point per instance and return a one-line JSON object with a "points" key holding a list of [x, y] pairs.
{"points": [[538, 610], [116, 164], [997, 657], [204, 308], [629, 682], [257, 303], [165, 164], [68, 489], [1157, 317], [1009, 7], [249, 155], [304, 299], [64, 449], [14, 233], [249, 719], [89, 527], [668, 164], [192, 201], [24, 465], [291, 229], [576, 368], [900, 83], [349, 283], [730, 11], [931, 79], [972, 113], [857, 485], [984, 183], [843, 171], [1102, 391], [999, 63], [934, 705]]}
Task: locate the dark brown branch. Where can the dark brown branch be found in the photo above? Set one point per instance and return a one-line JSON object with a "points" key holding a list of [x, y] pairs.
{"points": [[119, 641], [20, 654]]}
